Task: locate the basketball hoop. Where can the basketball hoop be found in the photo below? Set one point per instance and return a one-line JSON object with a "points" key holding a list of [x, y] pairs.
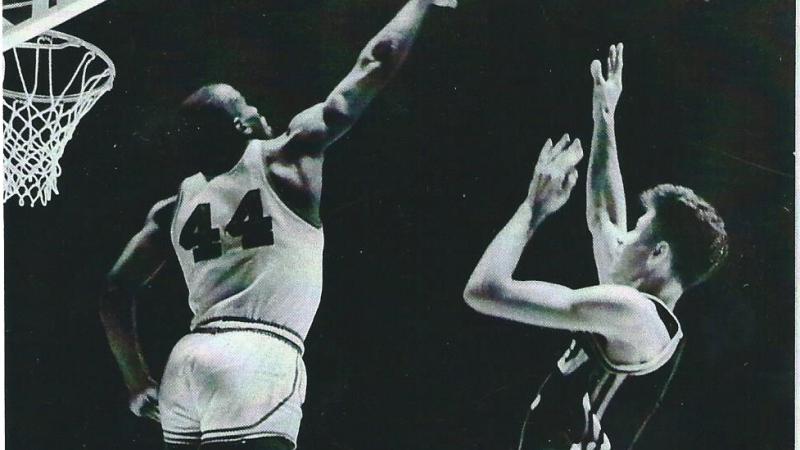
{"points": [[42, 107]]}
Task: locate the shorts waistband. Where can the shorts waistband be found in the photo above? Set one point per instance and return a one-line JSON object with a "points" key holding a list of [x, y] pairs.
{"points": [[231, 324]]}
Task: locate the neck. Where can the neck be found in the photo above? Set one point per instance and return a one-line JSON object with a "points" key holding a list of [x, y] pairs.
{"points": [[670, 293], [668, 290], [220, 162]]}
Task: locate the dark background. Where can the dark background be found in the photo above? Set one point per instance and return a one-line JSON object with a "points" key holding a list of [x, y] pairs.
{"points": [[413, 194]]}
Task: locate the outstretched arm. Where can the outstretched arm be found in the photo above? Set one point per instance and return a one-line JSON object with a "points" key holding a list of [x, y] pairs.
{"points": [[320, 125], [142, 258], [605, 195], [608, 310]]}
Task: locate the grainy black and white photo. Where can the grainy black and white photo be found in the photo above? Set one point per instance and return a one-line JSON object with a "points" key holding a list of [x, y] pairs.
{"points": [[399, 224]]}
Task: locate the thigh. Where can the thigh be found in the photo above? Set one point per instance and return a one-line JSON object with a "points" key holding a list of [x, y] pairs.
{"points": [[176, 399], [270, 443], [250, 386]]}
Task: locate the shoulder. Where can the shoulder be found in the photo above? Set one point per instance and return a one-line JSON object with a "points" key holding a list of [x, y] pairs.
{"points": [[639, 331], [621, 310], [309, 125], [160, 215]]}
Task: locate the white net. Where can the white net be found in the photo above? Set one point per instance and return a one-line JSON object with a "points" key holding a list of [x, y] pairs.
{"points": [[43, 108]]}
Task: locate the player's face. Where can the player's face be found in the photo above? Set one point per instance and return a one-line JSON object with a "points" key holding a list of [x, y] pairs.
{"points": [[251, 118], [637, 246]]}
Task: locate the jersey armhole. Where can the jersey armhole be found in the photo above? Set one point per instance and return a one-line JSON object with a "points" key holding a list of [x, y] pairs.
{"points": [[164, 216], [255, 162], [673, 328]]}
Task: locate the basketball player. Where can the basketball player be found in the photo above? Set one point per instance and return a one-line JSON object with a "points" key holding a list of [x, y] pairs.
{"points": [[623, 326], [247, 232]]}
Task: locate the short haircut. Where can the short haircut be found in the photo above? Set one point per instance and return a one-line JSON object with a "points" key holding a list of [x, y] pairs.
{"points": [[692, 228], [208, 113]]}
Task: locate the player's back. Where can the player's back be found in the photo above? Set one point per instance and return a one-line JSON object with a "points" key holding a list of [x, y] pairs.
{"points": [[244, 254], [569, 406]]}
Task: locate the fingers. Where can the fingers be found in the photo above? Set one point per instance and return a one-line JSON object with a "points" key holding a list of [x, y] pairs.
{"points": [[153, 414], [612, 56], [545, 153], [615, 60], [550, 151], [151, 411], [559, 147], [596, 70], [573, 154], [564, 151], [561, 157]]}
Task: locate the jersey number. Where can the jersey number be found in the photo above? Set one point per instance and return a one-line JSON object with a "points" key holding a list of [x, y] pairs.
{"points": [[248, 222]]}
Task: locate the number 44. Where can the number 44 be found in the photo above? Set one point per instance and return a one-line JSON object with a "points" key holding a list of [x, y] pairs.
{"points": [[248, 222]]}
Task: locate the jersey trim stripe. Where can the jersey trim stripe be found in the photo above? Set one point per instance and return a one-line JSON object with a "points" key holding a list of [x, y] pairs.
{"points": [[182, 433], [243, 436], [225, 324]]}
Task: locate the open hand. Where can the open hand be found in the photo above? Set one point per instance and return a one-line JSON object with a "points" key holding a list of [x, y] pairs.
{"points": [[607, 90], [144, 403], [555, 175]]}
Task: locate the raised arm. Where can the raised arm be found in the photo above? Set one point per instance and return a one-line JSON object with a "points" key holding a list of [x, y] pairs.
{"points": [[608, 310], [605, 195], [323, 123], [142, 258]]}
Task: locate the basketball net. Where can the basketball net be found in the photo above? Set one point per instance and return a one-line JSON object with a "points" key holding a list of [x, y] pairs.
{"points": [[40, 117]]}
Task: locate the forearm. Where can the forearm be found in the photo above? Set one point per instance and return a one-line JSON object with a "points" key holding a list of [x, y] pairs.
{"points": [[117, 313], [380, 59], [605, 196], [501, 257], [391, 45], [491, 289]]}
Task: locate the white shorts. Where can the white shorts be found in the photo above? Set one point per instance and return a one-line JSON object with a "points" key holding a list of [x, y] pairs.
{"points": [[231, 380]]}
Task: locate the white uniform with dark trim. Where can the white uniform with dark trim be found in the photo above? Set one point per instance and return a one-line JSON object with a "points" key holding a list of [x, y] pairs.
{"points": [[254, 273]]}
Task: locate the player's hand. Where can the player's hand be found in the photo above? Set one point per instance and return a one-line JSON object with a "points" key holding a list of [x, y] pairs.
{"points": [[144, 403], [555, 175], [445, 3], [607, 90]]}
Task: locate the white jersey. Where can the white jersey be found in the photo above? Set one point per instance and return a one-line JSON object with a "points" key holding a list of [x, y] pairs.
{"points": [[244, 254]]}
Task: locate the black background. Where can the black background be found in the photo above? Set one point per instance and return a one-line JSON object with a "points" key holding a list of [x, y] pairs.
{"points": [[413, 194]]}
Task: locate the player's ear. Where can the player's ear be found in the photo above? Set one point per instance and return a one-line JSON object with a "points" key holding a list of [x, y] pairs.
{"points": [[241, 127], [661, 253]]}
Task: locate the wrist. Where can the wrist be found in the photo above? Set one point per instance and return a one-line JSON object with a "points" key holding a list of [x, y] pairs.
{"points": [[536, 212], [603, 115], [138, 383]]}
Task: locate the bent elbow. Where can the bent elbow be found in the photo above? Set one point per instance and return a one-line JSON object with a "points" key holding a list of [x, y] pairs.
{"points": [[382, 57], [336, 112], [481, 294], [386, 49]]}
